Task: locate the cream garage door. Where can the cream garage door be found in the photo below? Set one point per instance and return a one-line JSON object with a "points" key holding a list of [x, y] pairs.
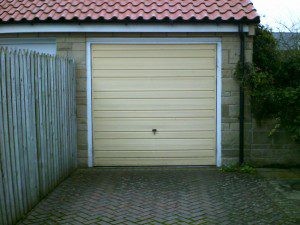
{"points": [[139, 88]]}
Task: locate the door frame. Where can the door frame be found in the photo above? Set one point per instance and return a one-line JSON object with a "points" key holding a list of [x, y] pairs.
{"points": [[165, 41]]}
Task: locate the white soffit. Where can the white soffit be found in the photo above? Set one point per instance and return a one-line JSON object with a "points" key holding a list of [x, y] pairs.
{"points": [[121, 28]]}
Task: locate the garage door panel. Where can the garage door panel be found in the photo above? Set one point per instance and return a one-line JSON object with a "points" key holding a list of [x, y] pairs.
{"points": [[157, 63], [153, 144], [205, 161], [155, 114], [153, 104], [149, 124], [146, 84], [160, 47], [154, 154], [168, 53], [159, 135], [154, 94], [152, 73]]}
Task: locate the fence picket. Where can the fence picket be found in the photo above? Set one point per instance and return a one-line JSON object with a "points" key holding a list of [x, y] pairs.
{"points": [[22, 147], [5, 210], [27, 131], [10, 152], [30, 62]]}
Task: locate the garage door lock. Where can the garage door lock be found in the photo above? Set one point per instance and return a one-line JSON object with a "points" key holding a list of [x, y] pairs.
{"points": [[154, 131]]}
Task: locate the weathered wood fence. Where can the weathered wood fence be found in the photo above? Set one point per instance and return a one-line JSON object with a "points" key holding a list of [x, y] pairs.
{"points": [[37, 128]]}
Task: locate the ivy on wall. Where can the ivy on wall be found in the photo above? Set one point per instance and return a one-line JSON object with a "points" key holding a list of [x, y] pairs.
{"points": [[273, 83]]}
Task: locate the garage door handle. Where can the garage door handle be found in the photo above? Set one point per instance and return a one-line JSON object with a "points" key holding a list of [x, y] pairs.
{"points": [[154, 131]]}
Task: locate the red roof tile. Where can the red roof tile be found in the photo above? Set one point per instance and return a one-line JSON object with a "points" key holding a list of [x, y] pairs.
{"points": [[132, 10]]}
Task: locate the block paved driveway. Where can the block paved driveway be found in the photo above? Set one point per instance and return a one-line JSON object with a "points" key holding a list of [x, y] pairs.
{"points": [[159, 196]]}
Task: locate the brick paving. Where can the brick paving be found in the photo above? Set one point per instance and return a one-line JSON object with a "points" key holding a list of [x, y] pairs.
{"points": [[159, 196]]}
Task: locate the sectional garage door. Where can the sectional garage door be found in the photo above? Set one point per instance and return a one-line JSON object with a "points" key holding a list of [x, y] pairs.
{"points": [[154, 104]]}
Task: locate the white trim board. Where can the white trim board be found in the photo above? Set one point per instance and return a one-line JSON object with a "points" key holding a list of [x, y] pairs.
{"points": [[216, 41], [120, 28], [41, 45]]}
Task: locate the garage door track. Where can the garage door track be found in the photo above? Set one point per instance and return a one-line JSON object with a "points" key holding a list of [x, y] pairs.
{"points": [[160, 196]]}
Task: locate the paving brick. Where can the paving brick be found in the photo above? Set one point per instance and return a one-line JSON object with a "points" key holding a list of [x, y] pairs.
{"points": [[158, 196]]}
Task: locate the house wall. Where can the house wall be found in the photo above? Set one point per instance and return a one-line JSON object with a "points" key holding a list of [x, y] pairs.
{"points": [[259, 148]]}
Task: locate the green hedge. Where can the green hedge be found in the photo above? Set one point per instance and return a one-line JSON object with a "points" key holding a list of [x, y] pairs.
{"points": [[273, 83]]}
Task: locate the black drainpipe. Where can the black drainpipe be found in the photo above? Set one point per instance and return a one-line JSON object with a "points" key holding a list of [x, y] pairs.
{"points": [[242, 97]]}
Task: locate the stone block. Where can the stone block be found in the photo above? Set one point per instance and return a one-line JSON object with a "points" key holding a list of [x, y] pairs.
{"points": [[225, 58], [81, 73], [230, 153], [81, 124], [234, 56], [231, 45], [64, 46], [81, 111], [230, 84], [79, 56], [231, 100], [226, 93], [225, 126], [81, 101], [230, 138], [231, 38], [77, 35], [228, 161], [62, 53], [80, 94], [81, 84], [234, 110], [248, 55], [82, 162], [82, 154], [78, 46], [235, 126], [227, 73], [225, 110], [79, 39]]}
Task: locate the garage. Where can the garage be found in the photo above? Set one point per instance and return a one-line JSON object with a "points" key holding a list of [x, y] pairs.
{"points": [[153, 104]]}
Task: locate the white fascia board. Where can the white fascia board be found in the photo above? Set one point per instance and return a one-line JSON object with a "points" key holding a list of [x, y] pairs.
{"points": [[120, 28], [147, 40]]}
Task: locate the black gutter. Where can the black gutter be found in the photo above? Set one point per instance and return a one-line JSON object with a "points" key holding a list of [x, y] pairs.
{"points": [[242, 95], [101, 20]]}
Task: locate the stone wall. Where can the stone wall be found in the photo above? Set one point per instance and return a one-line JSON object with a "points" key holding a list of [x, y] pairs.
{"points": [[259, 148], [263, 150]]}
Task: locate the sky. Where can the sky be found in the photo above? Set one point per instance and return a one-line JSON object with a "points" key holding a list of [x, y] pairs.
{"points": [[274, 12]]}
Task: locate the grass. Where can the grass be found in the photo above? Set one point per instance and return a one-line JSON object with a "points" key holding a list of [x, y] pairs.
{"points": [[244, 168]]}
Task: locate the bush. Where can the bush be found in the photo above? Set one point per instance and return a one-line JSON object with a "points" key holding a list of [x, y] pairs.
{"points": [[245, 168], [273, 83]]}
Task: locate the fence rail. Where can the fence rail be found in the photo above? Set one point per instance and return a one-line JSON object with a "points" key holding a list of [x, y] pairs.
{"points": [[37, 128]]}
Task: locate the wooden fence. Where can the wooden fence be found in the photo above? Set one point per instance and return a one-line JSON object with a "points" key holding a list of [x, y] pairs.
{"points": [[37, 128]]}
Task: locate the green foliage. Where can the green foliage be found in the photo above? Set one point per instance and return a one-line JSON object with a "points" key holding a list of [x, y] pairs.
{"points": [[273, 82], [265, 50], [245, 168]]}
